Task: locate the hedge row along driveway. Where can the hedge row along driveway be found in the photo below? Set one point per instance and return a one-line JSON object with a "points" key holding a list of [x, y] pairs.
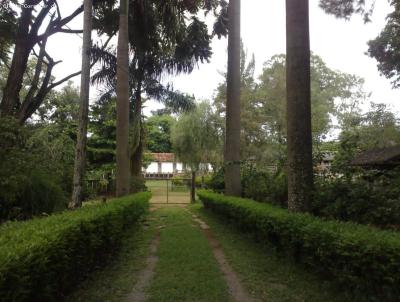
{"points": [[364, 261], [43, 259]]}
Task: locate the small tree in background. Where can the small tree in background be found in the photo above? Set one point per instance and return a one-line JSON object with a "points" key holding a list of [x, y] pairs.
{"points": [[195, 139]]}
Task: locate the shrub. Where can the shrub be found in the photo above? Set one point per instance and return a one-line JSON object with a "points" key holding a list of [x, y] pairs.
{"points": [[364, 199], [37, 194], [138, 184], [177, 181], [35, 170], [363, 260], [217, 181], [257, 184], [201, 178], [43, 259], [265, 186]]}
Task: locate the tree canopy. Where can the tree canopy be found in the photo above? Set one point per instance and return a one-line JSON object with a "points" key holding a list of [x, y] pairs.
{"points": [[264, 104]]}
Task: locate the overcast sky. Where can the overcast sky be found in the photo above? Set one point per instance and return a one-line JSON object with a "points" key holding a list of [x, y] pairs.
{"points": [[341, 44]]}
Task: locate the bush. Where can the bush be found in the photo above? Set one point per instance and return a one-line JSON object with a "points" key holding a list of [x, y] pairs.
{"points": [[364, 199], [177, 181], [36, 195], [257, 184], [35, 174], [217, 181], [43, 259], [138, 184], [265, 186], [363, 260], [200, 179]]}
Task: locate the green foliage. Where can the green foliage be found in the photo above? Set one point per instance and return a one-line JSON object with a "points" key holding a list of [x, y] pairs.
{"points": [[203, 180], [177, 181], [377, 128], [35, 169], [217, 181], [386, 47], [37, 158], [43, 259], [158, 134], [263, 105], [265, 186], [139, 184], [195, 137], [370, 198], [346, 8], [362, 260], [8, 25], [40, 194], [258, 184]]}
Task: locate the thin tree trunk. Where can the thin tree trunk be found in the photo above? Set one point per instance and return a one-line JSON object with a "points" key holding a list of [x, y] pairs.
{"points": [[123, 158], [232, 136], [300, 170], [137, 156], [193, 188], [80, 151]]}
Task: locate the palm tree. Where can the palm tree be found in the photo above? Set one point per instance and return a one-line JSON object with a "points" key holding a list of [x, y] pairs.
{"points": [[123, 158], [80, 152], [232, 139], [299, 138], [164, 40]]}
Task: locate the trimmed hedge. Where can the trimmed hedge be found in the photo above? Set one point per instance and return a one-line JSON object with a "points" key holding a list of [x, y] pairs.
{"points": [[43, 259], [363, 260]]}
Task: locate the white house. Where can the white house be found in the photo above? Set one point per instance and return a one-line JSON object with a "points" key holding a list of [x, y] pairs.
{"points": [[163, 163]]}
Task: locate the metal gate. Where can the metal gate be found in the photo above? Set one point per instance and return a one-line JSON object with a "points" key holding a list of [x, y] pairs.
{"points": [[170, 191]]}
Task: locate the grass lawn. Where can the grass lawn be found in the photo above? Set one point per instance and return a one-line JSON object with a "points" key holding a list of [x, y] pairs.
{"points": [[176, 194], [186, 269], [115, 281], [265, 275]]}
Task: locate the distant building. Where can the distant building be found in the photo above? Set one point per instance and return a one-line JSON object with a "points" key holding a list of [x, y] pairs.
{"points": [[381, 159], [163, 165], [326, 162]]}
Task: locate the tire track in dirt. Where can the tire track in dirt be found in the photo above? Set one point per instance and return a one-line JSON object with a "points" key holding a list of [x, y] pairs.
{"points": [[138, 293], [236, 288]]}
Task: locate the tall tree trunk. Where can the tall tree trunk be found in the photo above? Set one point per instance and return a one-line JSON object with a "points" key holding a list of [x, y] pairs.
{"points": [[123, 158], [80, 151], [300, 169], [232, 136]]}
